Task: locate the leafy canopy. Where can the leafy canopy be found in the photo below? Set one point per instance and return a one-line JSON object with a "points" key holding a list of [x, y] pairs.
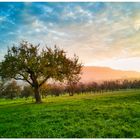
{"points": [[26, 62]]}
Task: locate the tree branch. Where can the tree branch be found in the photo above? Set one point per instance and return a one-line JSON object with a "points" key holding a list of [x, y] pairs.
{"points": [[44, 81], [25, 79], [18, 78]]}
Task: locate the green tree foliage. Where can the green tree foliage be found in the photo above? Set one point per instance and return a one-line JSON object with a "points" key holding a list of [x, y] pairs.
{"points": [[26, 92], [26, 62], [11, 90], [1, 88]]}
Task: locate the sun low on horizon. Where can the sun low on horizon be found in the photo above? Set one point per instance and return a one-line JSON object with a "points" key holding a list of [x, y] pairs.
{"points": [[99, 33]]}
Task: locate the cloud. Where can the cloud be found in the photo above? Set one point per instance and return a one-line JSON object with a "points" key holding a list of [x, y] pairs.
{"points": [[2, 19], [96, 32]]}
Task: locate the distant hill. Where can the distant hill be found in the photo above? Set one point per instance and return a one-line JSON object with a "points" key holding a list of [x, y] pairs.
{"points": [[92, 73]]}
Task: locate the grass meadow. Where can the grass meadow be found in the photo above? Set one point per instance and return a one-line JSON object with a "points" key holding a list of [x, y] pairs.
{"points": [[99, 115]]}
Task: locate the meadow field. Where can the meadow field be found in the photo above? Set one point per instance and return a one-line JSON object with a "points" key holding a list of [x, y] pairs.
{"points": [[99, 115]]}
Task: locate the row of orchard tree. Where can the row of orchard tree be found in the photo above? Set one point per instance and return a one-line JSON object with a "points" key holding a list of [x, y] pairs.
{"points": [[12, 90], [36, 66]]}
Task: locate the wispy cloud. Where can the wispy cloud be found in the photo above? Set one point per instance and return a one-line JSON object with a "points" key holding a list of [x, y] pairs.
{"points": [[96, 32]]}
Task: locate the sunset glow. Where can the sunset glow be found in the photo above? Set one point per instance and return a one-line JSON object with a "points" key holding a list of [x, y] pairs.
{"points": [[101, 34]]}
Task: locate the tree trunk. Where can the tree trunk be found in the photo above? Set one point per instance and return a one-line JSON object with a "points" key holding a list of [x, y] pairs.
{"points": [[71, 93], [37, 95]]}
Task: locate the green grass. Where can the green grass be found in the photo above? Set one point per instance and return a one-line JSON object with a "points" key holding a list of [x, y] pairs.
{"points": [[108, 115]]}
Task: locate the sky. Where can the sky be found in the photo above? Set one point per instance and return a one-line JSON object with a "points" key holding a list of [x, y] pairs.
{"points": [[100, 33]]}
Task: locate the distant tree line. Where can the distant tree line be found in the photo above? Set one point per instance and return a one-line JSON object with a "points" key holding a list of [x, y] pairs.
{"points": [[12, 90]]}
